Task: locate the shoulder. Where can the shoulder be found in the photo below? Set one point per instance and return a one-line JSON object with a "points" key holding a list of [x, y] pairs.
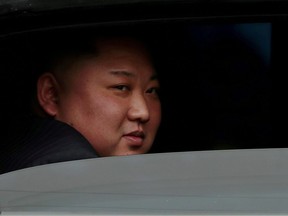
{"points": [[47, 141]]}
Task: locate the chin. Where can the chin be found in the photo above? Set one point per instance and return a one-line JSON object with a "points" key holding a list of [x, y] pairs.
{"points": [[132, 153]]}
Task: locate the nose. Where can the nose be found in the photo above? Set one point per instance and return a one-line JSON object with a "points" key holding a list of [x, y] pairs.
{"points": [[139, 110]]}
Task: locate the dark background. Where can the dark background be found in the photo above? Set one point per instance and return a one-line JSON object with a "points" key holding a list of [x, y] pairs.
{"points": [[217, 88]]}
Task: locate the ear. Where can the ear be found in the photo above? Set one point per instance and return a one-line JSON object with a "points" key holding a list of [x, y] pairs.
{"points": [[47, 93]]}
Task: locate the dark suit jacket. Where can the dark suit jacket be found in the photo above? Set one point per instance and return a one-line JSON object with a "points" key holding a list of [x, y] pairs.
{"points": [[45, 141]]}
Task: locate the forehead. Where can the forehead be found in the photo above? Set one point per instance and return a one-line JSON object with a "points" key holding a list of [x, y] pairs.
{"points": [[126, 57], [114, 52]]}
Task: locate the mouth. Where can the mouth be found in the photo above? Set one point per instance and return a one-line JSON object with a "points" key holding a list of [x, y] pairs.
{"points": [[135, 139]]}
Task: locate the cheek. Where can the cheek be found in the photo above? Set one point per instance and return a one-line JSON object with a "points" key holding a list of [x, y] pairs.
{"points": [[107, 110], [108, 103]]}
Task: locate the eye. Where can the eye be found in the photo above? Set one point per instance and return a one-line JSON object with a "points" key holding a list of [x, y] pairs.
{"points": [[154, 90], [122, 87]]}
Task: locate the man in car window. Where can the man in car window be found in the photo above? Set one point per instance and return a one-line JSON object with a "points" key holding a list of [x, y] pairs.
{"points": [[95, 98]]}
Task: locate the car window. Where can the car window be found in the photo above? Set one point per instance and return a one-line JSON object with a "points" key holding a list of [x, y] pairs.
{"points": [[215, 68], [215, 84]]}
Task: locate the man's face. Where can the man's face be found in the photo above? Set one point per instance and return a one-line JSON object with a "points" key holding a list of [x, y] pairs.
{"points": [[112, 100]]}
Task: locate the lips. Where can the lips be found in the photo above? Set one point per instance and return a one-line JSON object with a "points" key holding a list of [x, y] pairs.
{"points": [[135, 138]]}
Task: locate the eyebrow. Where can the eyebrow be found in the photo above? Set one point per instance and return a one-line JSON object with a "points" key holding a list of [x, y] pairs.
{"points": [[130, 74], [122, 73]]}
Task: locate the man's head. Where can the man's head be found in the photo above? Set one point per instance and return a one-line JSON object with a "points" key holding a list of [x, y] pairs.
{"points": [[109, 95]]}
